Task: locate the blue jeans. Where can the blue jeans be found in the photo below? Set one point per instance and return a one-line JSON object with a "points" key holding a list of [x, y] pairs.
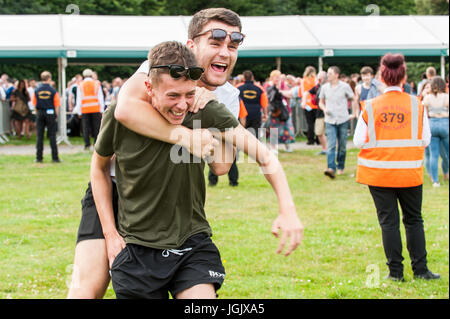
{"points": [[439, 134], [336, 133]]}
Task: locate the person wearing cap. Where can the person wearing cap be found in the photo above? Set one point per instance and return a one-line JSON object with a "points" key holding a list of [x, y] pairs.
{"points": [[392, 133], [90, 105], [46, 101]]}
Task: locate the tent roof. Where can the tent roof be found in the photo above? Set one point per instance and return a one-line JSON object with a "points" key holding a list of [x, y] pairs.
{"points": [[130, 37]]}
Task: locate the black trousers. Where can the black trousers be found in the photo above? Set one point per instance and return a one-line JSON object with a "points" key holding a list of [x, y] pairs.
{"points": [[91, 126], [233, 175], [44, 120], [253, 126], [310, 120], [386, 202]]}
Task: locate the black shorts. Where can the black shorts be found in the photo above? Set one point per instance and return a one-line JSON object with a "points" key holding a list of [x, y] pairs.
{"points": [[90, 226], [140, 272]]}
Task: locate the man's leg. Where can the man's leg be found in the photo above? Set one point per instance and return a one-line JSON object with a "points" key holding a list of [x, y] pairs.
{"points": [[202, 291], [40, 124], [212, 178], [331, 132], [51, 132], [342, 131], [96, 121], [233, 174], [85, 125], [90, 277]]}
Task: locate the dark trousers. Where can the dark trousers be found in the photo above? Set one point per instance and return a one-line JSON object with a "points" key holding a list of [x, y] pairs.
{"points": [[253, 126], [233, 175], [310, 120], [44, 120], [91, 126], [386, 202]]}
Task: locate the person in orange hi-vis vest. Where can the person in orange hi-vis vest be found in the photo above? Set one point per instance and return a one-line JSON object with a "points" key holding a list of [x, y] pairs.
{"points": [[90, 104], [392, 132], [309, 107]]}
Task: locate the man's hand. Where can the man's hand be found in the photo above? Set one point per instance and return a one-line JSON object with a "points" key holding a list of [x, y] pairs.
{"points": [[200, 142], [202, 97], [114, 245], [290, 226]]}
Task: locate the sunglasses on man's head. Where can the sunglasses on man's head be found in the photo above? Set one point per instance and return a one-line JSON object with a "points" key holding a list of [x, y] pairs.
{"points": [[177, 71], [220, 35]]}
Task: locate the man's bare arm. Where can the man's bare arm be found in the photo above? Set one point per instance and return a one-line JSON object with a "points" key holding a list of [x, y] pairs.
{"points": [[287, 219], [102, 191]]}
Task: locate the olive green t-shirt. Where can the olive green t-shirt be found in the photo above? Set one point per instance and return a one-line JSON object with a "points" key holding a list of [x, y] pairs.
{"points": [[161, 186]]}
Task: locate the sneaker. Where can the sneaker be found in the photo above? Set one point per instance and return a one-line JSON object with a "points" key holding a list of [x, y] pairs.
{"points": [[395, 278], [56, 160], [436, 185], [428, 276], [340, 171], [322, 153], [288, 148], [330, 173], [234, 184]]}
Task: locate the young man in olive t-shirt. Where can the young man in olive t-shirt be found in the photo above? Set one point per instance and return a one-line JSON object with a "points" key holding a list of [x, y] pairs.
{"points": [[161, 199]]}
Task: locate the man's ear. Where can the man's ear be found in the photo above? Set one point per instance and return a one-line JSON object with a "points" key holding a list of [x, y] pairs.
{"points": [[149, 88], [190, 44]]}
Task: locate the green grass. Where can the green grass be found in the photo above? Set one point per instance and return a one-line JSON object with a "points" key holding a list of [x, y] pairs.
{"points": [[40, 212]]}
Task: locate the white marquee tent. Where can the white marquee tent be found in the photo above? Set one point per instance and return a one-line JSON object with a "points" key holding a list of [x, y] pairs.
{"points": [[88, 39]]}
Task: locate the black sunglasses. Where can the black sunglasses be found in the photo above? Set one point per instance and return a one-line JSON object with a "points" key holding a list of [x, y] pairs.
{"points": [[220, 35], [177, 71]]}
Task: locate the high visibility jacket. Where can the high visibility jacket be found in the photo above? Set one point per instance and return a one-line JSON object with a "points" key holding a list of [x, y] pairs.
{"points": [[89, 96], [307, 84], [392, 155]]}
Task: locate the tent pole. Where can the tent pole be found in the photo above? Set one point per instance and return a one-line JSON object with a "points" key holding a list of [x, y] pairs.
{"points": [[320, 64], [278, 60], [62, 64], [443, 67]]}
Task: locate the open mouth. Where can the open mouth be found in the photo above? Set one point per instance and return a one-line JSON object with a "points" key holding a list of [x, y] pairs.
{"points": [[177, 114], [219, 67]]}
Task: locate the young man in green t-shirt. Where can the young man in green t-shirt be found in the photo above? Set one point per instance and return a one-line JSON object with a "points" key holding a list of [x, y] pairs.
{"points": [[161, 200]]}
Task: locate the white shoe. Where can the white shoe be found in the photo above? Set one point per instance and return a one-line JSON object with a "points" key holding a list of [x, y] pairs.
{"points": [[288, 148], [436, 185]]}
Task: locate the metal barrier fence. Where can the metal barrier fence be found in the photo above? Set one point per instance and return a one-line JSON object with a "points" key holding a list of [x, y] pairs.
{"points": [[4, 121]]}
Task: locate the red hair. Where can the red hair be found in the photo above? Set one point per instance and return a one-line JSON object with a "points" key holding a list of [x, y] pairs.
{"points": [[393, 68]]}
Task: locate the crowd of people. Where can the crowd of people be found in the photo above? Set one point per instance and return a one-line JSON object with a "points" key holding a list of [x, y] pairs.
{"points": [[328, 100]]}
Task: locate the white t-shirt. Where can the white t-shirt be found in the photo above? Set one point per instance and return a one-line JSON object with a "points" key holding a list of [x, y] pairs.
{"points": [[226, 94], [30, 102]]}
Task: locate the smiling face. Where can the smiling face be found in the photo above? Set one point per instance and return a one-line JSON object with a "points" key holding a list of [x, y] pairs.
{"points": [[218, 58], [172, 97]]}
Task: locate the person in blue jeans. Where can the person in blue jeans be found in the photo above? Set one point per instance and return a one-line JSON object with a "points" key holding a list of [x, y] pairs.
{"points": [[444, 161], [334, 98], [437, 105]]}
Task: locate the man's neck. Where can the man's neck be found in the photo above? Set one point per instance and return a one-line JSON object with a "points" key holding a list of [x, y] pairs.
{"points": [[202, 84], [334, 83]]}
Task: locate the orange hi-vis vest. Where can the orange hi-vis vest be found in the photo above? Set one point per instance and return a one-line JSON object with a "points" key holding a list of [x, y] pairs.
{"points": [[89, 96], [393, 153], [307, 84]]}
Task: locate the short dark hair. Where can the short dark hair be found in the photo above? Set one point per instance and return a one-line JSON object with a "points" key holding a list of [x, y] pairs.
{"points": [[366, 70], [335, 69], [169, 52], [248, 75], [203, 17]]}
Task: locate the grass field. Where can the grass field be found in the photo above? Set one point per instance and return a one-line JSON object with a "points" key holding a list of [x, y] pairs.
{"points": [[341, 255]]}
